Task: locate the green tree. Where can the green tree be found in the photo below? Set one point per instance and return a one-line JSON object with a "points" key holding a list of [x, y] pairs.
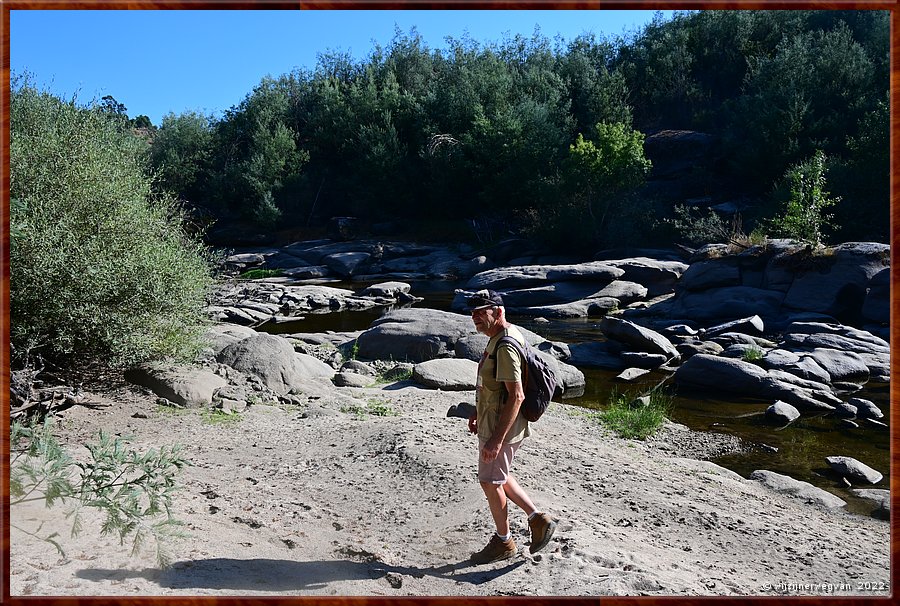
{"points": [[257, 152], [809, 95], [141, 121], [863, 179], [601, 171], [804, 217], [182, 152], [101, 268]]}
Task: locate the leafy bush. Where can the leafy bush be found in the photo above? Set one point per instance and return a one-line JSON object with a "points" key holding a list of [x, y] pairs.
{"points": [[134, 490], [101, 267], [804, 216]]}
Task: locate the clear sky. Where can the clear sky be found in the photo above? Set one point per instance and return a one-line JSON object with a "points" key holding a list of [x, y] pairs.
{"points": [[160, 61]]}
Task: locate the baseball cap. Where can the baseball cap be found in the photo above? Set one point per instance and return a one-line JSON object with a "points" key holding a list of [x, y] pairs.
{"points": [[484, 299]]}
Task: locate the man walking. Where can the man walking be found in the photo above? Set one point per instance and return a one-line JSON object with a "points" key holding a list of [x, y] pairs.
{"points": [[501, 429]]}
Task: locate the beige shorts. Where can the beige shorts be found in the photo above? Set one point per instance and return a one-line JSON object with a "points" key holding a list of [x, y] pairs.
{"points": [[497, 471]]}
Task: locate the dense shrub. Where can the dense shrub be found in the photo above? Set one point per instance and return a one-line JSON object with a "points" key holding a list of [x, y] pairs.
{"points": [[101, 269], [805, 217]]}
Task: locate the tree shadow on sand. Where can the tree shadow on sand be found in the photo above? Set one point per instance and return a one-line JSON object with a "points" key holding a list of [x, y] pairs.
{"points": [[285, 575]]}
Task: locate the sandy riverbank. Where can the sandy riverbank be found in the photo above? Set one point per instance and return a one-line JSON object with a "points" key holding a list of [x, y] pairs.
{"points": [[311, 500]]}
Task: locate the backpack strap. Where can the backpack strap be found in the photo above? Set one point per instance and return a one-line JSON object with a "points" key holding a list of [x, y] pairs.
{"points": [[520, 349]]}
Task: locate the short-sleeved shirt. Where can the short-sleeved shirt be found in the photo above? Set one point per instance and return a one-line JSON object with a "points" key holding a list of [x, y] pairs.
{"points": [[495, 367]]}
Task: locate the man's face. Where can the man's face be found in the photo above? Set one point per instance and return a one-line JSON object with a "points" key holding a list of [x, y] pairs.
{"points": [[485, 319]]}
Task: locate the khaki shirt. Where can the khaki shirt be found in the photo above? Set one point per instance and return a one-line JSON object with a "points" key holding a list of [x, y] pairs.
{"points": [[489, 392]]}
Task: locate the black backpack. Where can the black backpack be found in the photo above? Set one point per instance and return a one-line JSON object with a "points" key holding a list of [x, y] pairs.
{"points": [[539, 382]]}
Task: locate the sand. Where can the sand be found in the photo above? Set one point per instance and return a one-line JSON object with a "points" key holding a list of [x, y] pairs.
{"points": [[309, 500]]}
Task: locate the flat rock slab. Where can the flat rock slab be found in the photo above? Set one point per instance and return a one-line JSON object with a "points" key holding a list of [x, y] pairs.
{"points": [[531, 275], [796, 488]]}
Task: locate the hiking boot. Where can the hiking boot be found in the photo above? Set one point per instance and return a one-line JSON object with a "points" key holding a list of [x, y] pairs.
{"points": [[542, 528], [495, 550]]}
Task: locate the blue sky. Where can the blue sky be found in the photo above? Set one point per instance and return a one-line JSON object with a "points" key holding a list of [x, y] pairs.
{"points": [[160, 61]]}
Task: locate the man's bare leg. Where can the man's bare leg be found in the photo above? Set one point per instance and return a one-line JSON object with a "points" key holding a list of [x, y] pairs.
{"points": [[496, 497], [518, 495]]}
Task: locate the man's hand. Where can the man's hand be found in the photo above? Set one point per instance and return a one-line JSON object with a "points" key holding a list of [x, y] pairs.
{"points": [[491, 450], [473, 423]]}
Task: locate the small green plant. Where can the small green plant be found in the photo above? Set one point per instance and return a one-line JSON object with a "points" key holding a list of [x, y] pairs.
{"points": [[376, 408], [753, 355], [217, 416], [805, 216], [630, 419], [259, 274], [133, 489], [393, 375], [175, 411], [354, 350]]}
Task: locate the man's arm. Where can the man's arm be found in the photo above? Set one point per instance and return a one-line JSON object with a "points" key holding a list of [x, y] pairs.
{"points": [[514, 398]]}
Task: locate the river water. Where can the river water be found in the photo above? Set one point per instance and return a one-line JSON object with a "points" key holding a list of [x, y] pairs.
{"points": [[801, 446]]}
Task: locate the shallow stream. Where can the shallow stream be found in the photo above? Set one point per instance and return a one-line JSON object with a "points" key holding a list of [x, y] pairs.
{"points": [[801, 446]]}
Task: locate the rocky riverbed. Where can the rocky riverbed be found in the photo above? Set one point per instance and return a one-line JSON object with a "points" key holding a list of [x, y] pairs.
{"points": [[339, 471]]}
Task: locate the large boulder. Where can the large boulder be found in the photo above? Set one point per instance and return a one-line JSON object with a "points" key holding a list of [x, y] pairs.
{"points": [[274, 361], [797, 392], [727, 303], [710, 274], [842, 366], [414, 335], [836, 281], [852, 469], [471, 347], [721, 374], [346, 264], [220, 336], [802, 366], [734, 376], [877, 304], [533, 275], [449, 374], [659, 276], [865, 409], [184, 385]]}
